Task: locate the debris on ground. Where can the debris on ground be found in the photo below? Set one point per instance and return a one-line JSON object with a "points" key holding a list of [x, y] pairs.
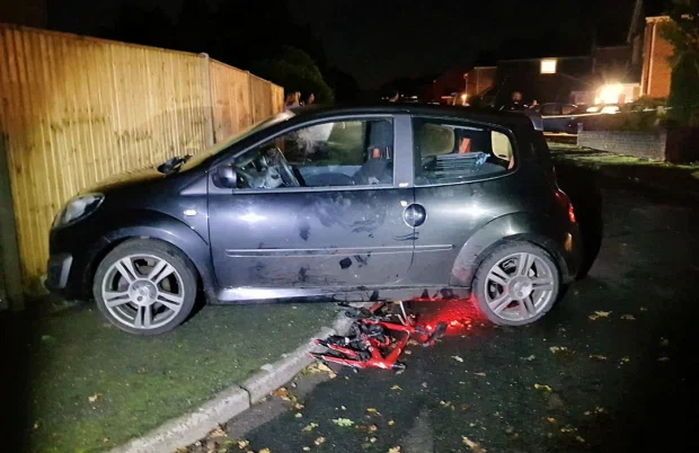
{"points": [[343, 422], [474, 446], [377, 337], [599, 314], [320, 367], [309, 427]]}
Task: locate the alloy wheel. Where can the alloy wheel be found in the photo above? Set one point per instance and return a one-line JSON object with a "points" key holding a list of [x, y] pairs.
{"points": [[519, 286], [143, 291]]}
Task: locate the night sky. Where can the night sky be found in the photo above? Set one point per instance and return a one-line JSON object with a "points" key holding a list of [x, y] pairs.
{"points": [[378, 41]]}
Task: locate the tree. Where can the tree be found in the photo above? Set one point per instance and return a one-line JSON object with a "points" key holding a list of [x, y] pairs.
{"points": [[295, 70], [683, 33]]}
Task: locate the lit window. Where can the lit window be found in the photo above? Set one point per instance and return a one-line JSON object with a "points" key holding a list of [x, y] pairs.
{"points": [[548, 66]]}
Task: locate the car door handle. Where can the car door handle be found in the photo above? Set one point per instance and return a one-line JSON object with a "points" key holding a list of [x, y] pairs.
{"points": [[414, 215]]}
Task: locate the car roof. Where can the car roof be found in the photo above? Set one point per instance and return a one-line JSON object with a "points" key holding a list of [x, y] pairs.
{"points": [[507, 119]]}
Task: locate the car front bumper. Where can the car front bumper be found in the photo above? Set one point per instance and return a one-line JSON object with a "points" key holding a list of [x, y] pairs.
{"points": [[58, 271]]}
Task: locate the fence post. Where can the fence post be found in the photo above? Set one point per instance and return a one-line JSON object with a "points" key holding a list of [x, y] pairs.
{"points": [[10, 275], [209, 91], [252, 98]]}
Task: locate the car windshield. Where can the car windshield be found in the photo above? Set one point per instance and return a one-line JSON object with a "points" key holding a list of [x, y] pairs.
{"points": [[217, 148]]}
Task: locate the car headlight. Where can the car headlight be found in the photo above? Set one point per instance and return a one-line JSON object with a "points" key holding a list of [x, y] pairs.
{"points": [[78, 208]]}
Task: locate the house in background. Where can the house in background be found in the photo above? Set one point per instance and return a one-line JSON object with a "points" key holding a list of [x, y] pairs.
{"points": [[656, 72], [608, 75]]}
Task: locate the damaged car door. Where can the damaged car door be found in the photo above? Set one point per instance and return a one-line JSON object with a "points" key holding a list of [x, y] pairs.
{"points": [[313, 210]]}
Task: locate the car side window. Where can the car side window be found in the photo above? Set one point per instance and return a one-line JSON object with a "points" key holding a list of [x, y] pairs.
{"points": [[567, 109], [447, 152], [550, 109], [338, 153]]}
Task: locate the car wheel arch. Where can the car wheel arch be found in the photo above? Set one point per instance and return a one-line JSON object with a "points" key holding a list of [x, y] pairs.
{"points": [[170, 231], [517, 227]]}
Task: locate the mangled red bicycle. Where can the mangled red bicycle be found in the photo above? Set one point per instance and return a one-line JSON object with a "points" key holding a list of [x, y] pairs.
{"points": [[377, 337]]}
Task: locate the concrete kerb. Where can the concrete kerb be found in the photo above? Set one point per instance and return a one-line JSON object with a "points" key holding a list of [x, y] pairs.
{"points": [[196, 424]]}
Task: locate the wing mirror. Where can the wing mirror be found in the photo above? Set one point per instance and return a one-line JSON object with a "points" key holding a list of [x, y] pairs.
{"points": [[226, 176]]}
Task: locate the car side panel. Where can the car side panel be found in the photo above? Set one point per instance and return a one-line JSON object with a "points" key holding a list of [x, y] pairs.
{"points": [[90, 240], [456, 212], [562, 243]]}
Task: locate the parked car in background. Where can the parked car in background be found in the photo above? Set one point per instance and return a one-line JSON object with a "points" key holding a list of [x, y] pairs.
{"points": [[395, 202], [558, 116], [564, 118]]}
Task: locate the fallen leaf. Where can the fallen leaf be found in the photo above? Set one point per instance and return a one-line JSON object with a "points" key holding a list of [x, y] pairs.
{"points": [[557, 349], [343, 422], [218, 432], [282, 393], [474, 446], [265, 450], [580, 439], [663, 359], [94, 397], [306, 449], [598, 357], [551, 419], [393, 450], [624, 360], [407, 352], [319, 441], [457, 358], [298, 406], [599, 314], [309, 427], [391, 422], [568, 429], [372, 410], [528, 358], [320, 367], [627, 317], [423, 385], [480, 373], [544, 387], [298, 415], [243, 444], [373, 440], [396, 388]]}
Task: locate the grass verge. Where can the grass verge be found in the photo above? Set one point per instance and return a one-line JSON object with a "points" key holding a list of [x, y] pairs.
{"points": [[674, 179], [94, 387]]}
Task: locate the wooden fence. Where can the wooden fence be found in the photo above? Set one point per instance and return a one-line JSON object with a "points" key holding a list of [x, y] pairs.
{"points": [[76, 110]]}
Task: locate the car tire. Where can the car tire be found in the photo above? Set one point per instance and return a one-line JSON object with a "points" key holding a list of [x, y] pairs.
{"points": [[516, 284], [145, 287]]}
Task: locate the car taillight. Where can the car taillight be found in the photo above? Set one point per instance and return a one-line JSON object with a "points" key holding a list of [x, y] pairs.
{"points": [[565, 201]]}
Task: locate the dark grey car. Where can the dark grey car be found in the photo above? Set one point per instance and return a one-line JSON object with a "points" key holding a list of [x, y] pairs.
{"points": [[396, 202]]}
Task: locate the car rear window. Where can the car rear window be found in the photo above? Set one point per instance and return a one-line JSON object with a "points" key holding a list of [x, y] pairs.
{"points": [[447, 152]]}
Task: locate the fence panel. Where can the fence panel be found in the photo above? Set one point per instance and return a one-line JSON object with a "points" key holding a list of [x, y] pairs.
{"points": [[77, 110]]}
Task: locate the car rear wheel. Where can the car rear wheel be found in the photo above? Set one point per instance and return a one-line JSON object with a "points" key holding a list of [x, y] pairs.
{"points": [[516, 284], [145, 287]]}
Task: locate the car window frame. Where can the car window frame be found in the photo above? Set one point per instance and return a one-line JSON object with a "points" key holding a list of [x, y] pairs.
{"points": [[466, 122], [400, 172]]}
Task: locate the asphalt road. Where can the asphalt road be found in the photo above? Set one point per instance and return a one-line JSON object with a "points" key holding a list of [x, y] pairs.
{"points": [[621, 379]]}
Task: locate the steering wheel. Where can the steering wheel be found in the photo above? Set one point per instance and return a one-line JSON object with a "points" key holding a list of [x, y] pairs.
{"points": [[285, 170]]}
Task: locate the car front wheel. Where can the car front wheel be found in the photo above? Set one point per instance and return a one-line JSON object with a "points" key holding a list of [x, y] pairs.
{"points": [[145, 287], [516, 284]]}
